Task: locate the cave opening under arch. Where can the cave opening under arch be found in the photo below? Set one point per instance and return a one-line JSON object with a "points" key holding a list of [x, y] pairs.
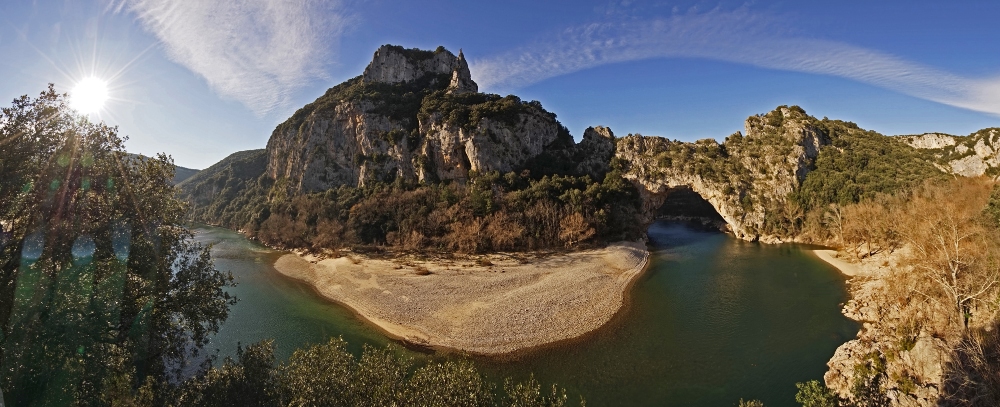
{"points": [[684, 204]]}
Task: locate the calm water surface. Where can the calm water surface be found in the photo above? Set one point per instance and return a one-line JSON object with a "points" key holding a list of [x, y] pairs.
{"points": [[712, 320]]}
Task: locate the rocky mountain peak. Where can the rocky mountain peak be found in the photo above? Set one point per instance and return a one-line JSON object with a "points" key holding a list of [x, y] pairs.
{"points": [[461, 78], [394, 64]]}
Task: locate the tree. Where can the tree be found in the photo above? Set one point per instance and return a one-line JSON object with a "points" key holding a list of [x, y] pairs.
{"points": [[956, 250], [573, 229], [815, 394], [99, 282]]}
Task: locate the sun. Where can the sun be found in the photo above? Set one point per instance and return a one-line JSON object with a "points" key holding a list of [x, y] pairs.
{"points": [[89, 95]]}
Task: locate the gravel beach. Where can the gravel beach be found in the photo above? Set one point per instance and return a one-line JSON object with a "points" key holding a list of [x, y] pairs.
{"points": [[470, 307]]}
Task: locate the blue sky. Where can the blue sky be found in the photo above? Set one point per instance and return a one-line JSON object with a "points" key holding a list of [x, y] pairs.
{"points": [[199, 80]]}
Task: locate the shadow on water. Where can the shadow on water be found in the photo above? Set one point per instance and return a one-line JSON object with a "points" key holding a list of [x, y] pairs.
{"points": [[664, 236], [713, 320]]}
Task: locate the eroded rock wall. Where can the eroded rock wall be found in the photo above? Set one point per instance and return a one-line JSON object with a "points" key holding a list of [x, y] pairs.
{"points": [[452, 150], [969, 156], [746, 178]]}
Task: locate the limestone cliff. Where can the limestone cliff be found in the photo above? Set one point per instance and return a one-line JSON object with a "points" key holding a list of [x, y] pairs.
{"points": [[748, 178], [414, 115], [393, 64], [970, 156]]}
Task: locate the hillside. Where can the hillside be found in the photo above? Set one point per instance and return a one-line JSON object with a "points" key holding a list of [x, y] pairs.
{"points": [[774, 182], [413, 131], [462, 170], [217, 194]]}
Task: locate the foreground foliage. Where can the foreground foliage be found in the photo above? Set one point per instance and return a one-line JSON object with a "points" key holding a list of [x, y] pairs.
{"points": [[328, 375], [101, 288]]}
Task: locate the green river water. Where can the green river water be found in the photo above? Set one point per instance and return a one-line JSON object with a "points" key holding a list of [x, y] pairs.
{"points": [[712, 320]]}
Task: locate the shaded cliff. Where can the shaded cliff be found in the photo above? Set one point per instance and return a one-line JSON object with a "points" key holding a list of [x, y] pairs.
{"points": [[223, 193]]}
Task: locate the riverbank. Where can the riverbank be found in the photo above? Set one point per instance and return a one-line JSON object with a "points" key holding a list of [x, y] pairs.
{"points": [[832, 258], [919, 361], [492, 307]]}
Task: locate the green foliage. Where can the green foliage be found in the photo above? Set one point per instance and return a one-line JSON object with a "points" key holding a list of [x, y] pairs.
{"points": [[490, 212], [815, 394], [528, 394], [231, 192], [415, 54], [858, 165], [869, 376], [101, 289], [328, 375], [468, 109], [992, 211], [751, 403], [401, 102]]}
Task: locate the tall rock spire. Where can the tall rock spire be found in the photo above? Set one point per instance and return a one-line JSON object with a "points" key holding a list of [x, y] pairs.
{"points": [[461, 77]]}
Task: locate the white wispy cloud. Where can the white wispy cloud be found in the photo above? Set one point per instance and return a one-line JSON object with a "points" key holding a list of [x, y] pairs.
{"points": [[254, 51], [738, 36]]}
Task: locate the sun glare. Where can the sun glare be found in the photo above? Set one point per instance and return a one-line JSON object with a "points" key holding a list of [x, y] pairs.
{"points": [[89, 95]]}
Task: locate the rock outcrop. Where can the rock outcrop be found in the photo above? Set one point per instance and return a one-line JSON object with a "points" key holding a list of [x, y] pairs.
{"points": [[744, 178], [970, 156], [393, 64], [414, 115], [452, 150], [594, 152], [890, 343]]}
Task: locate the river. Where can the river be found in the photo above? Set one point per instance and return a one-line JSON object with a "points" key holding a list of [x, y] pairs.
{"points": [[714, 319]]}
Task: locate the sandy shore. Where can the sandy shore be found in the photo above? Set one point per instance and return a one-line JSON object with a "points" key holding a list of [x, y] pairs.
{"points": [[830, 256], [489, 310]]}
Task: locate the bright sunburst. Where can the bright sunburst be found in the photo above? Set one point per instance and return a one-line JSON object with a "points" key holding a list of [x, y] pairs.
{"points": [[89, 95]]}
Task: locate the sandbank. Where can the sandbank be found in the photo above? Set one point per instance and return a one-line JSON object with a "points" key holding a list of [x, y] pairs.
{"points": [[830, 256], [495, 309]]}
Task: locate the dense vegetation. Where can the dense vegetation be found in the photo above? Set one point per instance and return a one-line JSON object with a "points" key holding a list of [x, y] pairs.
{"points": [[100, 286], [859, 165], [328, 375], [491, 212], [222, 193]]}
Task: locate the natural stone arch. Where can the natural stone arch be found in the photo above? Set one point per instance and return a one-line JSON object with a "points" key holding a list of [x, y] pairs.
{"points": [[655, 193]]}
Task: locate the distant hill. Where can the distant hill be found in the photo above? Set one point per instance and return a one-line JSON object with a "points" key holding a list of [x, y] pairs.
{"points": [[183, 173], [180, 173], [218, 192]]}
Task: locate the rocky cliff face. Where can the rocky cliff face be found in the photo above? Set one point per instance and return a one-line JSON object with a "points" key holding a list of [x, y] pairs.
{"points": [[393, 64], [452, 150], [414, 115], [913, 355], [594, 152], [970, 156], [747, 178]]}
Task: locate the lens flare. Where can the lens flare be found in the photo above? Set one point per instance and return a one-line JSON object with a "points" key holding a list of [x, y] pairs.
{"points": [[89, 95]]}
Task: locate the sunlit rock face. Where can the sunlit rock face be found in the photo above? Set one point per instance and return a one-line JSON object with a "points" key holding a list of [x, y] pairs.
{"points": [[394, 64], [743, 178], [380, 127], [491, 145], [593, 154], [970, 156]]}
